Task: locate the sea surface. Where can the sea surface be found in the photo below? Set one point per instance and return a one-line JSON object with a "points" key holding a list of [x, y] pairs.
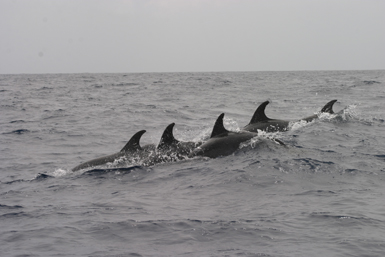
{"points": [[323, 194]]}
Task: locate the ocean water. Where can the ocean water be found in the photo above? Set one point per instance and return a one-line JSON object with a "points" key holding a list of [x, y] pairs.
{"points": [[320, 195]]}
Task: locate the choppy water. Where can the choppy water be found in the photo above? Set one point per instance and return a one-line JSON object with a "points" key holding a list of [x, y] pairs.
{"points": [[322, 195]]}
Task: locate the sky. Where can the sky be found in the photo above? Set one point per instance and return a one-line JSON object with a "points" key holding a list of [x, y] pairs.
{"points": [[124, 36]]}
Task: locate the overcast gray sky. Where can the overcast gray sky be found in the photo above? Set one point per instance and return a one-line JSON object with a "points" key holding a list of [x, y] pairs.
{"points": [[57, 36]]}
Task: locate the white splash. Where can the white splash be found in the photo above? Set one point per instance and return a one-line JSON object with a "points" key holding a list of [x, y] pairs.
{"points": [[295, 125], [61, 172]]}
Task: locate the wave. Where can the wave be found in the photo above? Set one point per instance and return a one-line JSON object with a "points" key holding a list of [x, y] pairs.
{"points": [[340, 218], [63, 173], [17, 121], [3, 206], [370, 82], [120, 171], [18, 132]]}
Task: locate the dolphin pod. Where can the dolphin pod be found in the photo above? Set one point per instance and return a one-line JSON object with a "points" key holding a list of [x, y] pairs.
{"points": [[222, 142], [260, 121], [169, 149]]}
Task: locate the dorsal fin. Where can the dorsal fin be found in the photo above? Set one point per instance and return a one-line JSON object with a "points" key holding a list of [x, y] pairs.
{"points": [[329, 107], [133, 143], [168, 138], [259, 114], [218, 127]]}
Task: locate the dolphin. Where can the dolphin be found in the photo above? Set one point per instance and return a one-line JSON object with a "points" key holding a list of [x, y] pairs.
{"points": [[170, 149], [131, 149], [222, 142], [169, 143], [260, 121]]}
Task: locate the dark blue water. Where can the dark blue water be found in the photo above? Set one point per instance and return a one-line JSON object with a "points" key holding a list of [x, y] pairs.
{"points": [[321, 195]]}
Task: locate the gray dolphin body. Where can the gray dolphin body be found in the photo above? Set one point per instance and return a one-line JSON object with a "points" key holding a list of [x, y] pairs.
{"points": [[260, 121], [222, 142], [131, 150], [170, 149], [168, 143]]}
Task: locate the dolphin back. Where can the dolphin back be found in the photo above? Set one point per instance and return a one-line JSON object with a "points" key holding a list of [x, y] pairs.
{"points": [[219, 128], [133, 144], [328, 108], [259, 114], [99, 161], [167, 138], [260, 121]]}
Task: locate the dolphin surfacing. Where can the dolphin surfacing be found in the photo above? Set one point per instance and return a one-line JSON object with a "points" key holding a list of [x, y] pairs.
{"points": [[260, 121], [168, 143], [132, 148], [222, 142], [170, 149]]}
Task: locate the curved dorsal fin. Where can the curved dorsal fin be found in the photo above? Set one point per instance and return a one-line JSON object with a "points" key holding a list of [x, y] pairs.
{"points": [[218, 127], [168, 138], [133, 143], [259, 114], [329, 107]]}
